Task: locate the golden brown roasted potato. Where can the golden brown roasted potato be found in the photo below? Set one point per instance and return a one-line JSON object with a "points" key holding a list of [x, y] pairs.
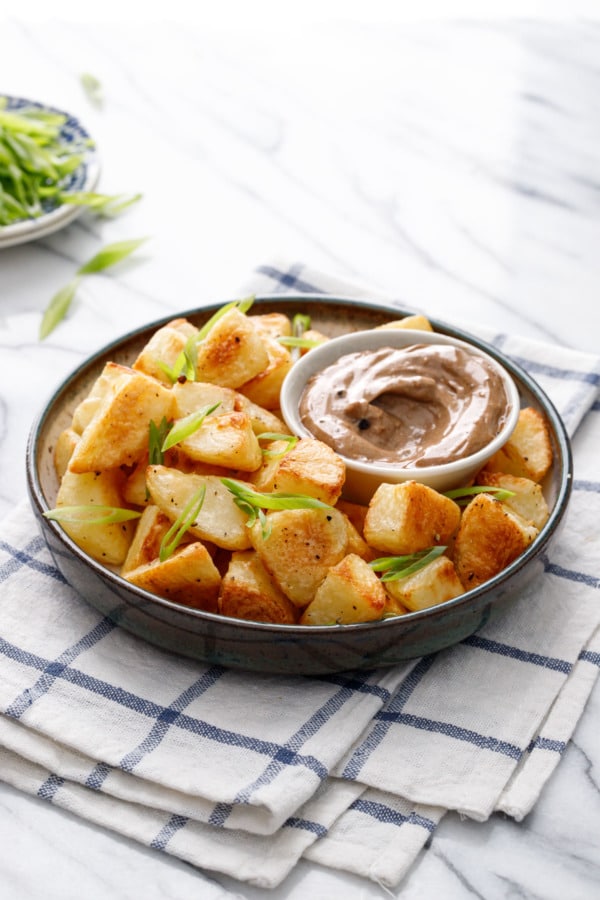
{"points": [[302, 546], [489, 538], [145, 546], [528, 500], [404, 518], [189, 577], [65, 445], [434, 583], [106, 543], [117, 434], [421, 323], [164, 346], [248, 592], [225, 440], [265, 387], [219, 520], [232, 353], [351, 592], [310, 467], [272, 324], [528, 452]]}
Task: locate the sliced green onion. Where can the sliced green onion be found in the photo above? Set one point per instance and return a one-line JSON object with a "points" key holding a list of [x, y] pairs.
{"points": [[300, 324], [290, 439], [187, 426], [101, 204], [463, 495], [272, 501], [60, 303], [176, 532], [92, 88], [92, 514], [396, 567], [306, 343], [185, 364], [156, 438], [58, 308], [242, 305], [110, 255]]}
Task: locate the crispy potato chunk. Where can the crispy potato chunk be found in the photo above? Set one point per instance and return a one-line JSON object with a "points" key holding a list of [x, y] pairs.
{"points": [[189, 577], [117, 434], [311, 334], [302, 546], [219, 521], [421, 323], [107, 382], [310, 467], [164, 346], [65, 445], [226, 440], [265, 387], [434, 583], [232, 353], [490, 537], [248, 592], [356, 512], [273, 324], [351, 592], [404, 518], [528, 500], [106, 543], [145, 546], [191, 396], [528, 452]]}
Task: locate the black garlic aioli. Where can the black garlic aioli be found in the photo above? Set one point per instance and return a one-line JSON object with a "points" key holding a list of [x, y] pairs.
{"points": [[421, 405]]}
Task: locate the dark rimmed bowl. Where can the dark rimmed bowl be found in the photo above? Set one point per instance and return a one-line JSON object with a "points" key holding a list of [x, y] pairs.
{"points": [[289, 649]]}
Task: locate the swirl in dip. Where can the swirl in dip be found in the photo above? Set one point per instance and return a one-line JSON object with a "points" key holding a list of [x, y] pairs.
{"points": [[422, 405]]}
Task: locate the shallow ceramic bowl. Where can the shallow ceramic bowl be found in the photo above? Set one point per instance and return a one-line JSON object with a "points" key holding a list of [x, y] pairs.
{"points": [[291, 649], [362, 477]]}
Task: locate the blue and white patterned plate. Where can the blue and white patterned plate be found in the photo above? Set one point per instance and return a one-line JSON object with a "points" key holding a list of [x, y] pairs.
{"points": [[84, 178]]}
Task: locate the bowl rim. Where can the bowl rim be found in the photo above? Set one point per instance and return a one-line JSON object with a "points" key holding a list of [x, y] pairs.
{"points": [[564, 489], [397, 338]]}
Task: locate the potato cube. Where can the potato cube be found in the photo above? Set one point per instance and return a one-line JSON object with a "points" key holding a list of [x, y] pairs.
{"points": [[528, 500], [248, 592], [265, 387], [418, 322], [106, 543], [219, 520], [351, 592], [528, 451], [273, 324], [65, 445], [145, 546], [490, 537], [434, 583], [108, 382], [404, 518], [232, 353], [117, 434], [165, 346], [188, 577], [225, 440], [310, 467], [301, 547], [191, 396], [263, 420]]}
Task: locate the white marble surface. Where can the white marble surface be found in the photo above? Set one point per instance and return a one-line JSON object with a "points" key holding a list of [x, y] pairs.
{"points": [[451, 164]]}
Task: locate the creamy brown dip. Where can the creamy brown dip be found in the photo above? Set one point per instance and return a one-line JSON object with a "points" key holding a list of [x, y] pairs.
{"points": [[421, 405]]}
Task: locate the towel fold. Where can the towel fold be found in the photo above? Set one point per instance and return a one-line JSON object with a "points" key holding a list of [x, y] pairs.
{"points": [[243, 773]]}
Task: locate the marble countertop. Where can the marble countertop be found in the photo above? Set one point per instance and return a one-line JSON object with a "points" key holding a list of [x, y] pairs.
{"points": [[452, 165]]}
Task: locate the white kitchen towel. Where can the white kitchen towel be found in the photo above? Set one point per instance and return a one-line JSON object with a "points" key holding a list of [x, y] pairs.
{"points": [[243, 773]]}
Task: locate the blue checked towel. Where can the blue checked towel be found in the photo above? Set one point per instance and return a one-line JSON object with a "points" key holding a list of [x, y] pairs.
{"points": [[245, 774]]}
